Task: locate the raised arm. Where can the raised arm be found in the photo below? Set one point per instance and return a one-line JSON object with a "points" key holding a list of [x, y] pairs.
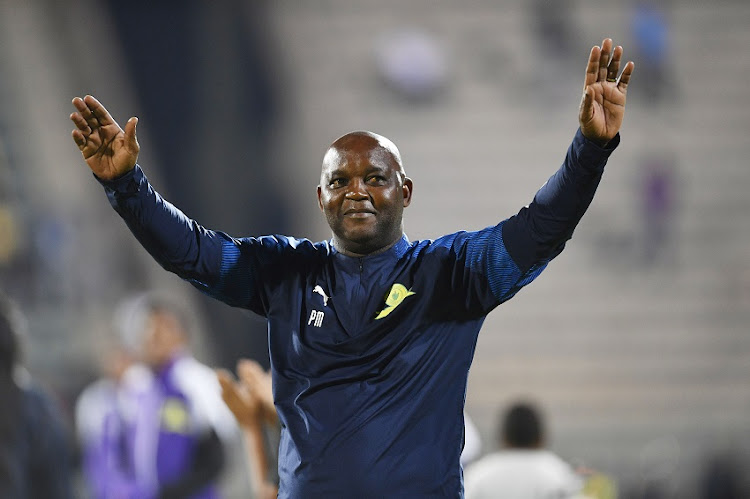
{"points": [[207, 259], [539, 231], [511, 254]]}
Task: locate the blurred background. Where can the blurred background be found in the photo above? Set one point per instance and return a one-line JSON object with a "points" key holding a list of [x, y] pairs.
{"points": [[635, 340]]}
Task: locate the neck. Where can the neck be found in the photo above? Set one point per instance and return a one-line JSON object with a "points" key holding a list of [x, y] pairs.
{"points": [[341, 248]]}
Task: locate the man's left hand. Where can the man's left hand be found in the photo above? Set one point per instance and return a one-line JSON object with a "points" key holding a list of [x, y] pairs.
{"points": [[603, 101]]}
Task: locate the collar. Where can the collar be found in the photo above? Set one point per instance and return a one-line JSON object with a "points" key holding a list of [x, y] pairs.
{"points": [[391, 255]]}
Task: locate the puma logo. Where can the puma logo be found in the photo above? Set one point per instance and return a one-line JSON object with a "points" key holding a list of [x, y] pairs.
{"points": [[319, 290]]}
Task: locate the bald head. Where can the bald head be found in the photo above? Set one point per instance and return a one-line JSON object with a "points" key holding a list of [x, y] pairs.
{"points": [[364, 140]]}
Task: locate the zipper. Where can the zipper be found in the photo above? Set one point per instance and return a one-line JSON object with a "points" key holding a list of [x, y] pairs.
{"points": [[361, 287]]}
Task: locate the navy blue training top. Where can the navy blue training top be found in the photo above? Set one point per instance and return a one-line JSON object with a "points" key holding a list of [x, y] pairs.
{"points": [[369, 356]]}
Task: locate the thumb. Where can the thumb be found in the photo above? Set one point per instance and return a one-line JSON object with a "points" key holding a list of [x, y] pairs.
{"points": [[130, 139], [587, 102]]}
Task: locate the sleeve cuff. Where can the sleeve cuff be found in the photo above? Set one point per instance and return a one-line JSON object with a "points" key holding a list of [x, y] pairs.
{"points": [[591, 155], [125, 184]]}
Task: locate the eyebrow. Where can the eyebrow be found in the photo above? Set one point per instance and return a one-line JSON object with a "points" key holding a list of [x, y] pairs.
{"points": [[341, 172]]}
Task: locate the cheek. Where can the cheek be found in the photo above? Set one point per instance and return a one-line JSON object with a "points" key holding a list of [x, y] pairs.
{"points": [[328, 202], [391, 201]]}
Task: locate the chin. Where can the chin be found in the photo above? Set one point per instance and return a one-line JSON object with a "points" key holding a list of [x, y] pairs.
{"points": [[360, 233], [364, 240], [358, 242]]}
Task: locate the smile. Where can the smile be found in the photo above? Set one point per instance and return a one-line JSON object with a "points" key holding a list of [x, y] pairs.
{"points": [[359, 214]]}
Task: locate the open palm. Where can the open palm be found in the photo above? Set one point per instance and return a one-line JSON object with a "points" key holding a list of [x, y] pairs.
{"points": [[109, 151], [603, 102]]}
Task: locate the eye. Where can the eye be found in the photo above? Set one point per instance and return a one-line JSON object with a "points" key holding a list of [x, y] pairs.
{"points": [[336, 183], [376, 180]]}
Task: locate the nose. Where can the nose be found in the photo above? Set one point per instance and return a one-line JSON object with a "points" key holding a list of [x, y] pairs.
{"points": [[357, 190]]}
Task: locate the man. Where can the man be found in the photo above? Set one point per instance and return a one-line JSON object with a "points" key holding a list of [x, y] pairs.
{"points": [[523, 469], [172, 413], [370, 336]]}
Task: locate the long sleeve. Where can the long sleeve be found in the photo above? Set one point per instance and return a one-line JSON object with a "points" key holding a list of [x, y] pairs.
{"points": [[493, 264], [205, 258], [539, 231]]}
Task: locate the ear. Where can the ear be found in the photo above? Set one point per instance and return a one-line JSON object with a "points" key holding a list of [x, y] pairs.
{"points": [[408, 188], [320, 201]]}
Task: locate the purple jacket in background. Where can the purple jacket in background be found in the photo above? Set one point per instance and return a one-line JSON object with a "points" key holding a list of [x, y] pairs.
{"points": [[155, 434]]}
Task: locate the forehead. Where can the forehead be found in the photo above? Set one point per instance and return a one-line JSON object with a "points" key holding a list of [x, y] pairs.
{"points": [[357, 151]]}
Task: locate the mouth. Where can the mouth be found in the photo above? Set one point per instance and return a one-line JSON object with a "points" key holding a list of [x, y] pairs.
{"points": [[359, 213]]}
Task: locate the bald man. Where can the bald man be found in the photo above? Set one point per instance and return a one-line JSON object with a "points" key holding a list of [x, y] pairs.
{"points": [[370, 335]]}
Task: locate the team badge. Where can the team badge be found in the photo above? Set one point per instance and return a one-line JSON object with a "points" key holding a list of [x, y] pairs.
{"points": [[174, 416], [397, 294]]}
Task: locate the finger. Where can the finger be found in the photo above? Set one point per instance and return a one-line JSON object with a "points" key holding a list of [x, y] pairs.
{"points": [[248, 365], [99, 111], [79, 139], [226, 380], [79, 104], [249, 371], [85, 112], [587, 105], [604, 59], [130, 137], [622, 85], [230, 394], [592, 68], [80, 123], [614, 66]]}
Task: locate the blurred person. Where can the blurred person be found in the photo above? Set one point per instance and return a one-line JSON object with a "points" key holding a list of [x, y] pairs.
{"points": [[523, 468], [722, 477], [651, 37], [371, 336], [472, 442], [554, 29], [658, 192], [251, 401], [101, 429], [172, 411], [412, 63], [35, 454]]}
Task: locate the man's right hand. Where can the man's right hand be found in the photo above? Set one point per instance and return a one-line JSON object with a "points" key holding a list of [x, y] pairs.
{"points": [[109, 151]]}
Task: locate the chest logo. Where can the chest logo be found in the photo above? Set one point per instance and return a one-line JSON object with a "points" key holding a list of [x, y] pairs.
{"points": [[174, 416], [397, 294], [319, 290]]}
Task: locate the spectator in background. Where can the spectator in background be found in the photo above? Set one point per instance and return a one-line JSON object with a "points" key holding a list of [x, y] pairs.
{"points": [[554, 33], [172, 412], [722, 478], [472, 442], [553, 28], [101, 429], [251, 401], [523, 468], [659, 184], [651, 36], [35, 458]]}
